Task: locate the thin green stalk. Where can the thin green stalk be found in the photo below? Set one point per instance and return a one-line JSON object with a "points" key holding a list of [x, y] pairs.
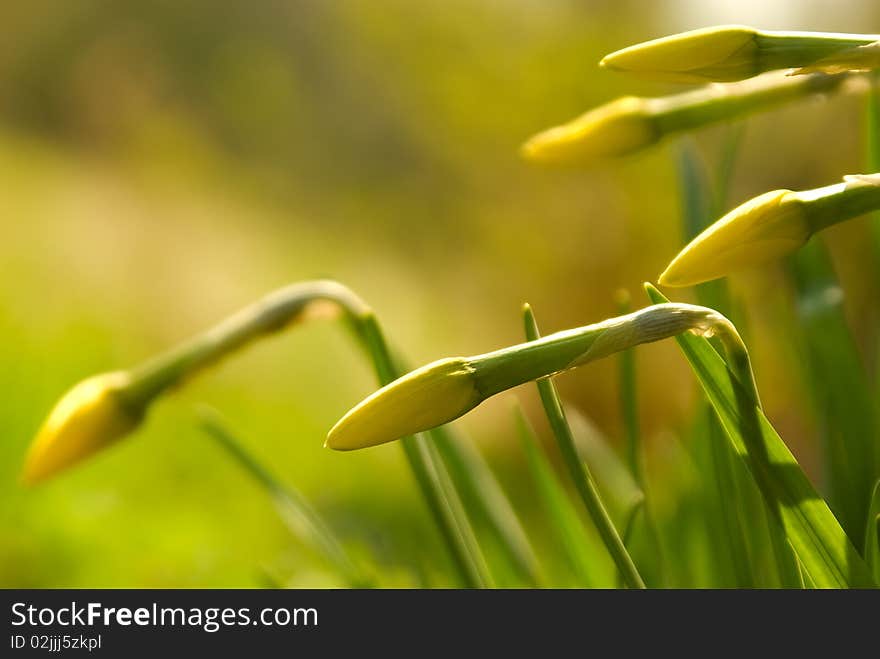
{"points": [[635, 451], [822, 547], [482, 493], [872, 164], [430, 473], [699, 204], [691, 110], [302, 520], [629, 401], [732, 480], [270, 315], [872, 537], [872, 156], [839, 386], [580, 473], [444, 390], [632, 123], [479, 489], [561, 515]]}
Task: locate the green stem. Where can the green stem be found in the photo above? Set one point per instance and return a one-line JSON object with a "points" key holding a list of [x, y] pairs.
{"points": [[430, 472], [300, 517], [691, 110], [580, 473], [634, 449], [787, 49], [272, 314], [481, 492], [825, 207], [503, 369], [265, 317]]}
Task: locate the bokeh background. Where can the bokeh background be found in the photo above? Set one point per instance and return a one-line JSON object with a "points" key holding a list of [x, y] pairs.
{"points": [[165, 163]]}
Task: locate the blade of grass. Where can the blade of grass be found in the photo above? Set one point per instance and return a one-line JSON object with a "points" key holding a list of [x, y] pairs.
{"points": [[699, 205], [629, 400], [460, 469], [724, 170], [745, 541], [618, 489], [635, 451], [872, 155], [579, 473], [481, 492], [563, 519], [840, 389], [616, 484], [304, 523], [277, 311], [430, 472], [872, 537], [821, 545]]}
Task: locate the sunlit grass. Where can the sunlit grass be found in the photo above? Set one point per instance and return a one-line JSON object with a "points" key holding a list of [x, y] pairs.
{"points": [[466, 522]]}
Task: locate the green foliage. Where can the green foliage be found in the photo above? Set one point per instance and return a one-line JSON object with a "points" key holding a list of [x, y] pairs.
{"points": [[579, 473], [267, 118], [822, 547]]}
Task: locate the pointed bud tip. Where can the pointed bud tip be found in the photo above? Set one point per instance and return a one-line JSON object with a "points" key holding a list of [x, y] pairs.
{"points": [[30, 477], [89, 417], [671, 279], [533, 149], [720, 53], [421, 400]]}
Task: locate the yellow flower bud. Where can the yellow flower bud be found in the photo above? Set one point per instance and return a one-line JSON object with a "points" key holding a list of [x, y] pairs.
{"points": [[769, 227], [428, 397], [764, 228], [89, 417], [615, 129], [723, 54]]}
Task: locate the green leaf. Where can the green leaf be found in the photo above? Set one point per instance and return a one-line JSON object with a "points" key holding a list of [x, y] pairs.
{"points": [[580, 474], [481, 494], [872, 537], [699, 207], [304, 523], [828, 557], [470, 478], [839, 387], [563, 518], [428, 468]]}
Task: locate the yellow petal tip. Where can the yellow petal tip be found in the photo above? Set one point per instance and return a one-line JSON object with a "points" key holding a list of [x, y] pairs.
{"points": [[90, 416], [426, 398]]}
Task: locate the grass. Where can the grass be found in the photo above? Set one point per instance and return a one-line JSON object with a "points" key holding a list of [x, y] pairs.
{"points": [[758, 518]]}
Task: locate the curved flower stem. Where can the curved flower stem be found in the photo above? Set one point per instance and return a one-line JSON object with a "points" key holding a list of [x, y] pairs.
{"points": [[274, 313]]}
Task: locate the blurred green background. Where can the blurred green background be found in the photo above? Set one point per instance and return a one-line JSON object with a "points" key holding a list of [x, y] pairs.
{"points": [[165, 163]]}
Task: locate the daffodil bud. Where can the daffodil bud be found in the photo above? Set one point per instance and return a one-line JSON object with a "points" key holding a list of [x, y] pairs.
{"points": [[102, 409], [768, 227], [428, 397], [615, 129], [727, 53], [631, 123], [92, 415], [447, 389]]}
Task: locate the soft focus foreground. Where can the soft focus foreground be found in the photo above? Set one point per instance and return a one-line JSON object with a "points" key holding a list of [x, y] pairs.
{"points": [[166, 165]]}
